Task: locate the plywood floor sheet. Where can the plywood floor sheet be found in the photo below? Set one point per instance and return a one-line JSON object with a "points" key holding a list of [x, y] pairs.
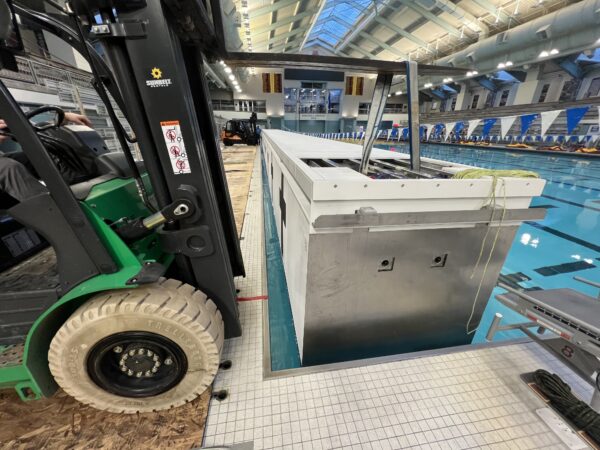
{"points": [[61, 422]]}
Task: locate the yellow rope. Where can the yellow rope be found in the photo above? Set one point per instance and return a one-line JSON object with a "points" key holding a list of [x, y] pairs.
{"points": [[480, 173], [491, 201]]}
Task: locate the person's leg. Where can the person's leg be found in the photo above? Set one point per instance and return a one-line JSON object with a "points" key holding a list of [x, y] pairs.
{"points": [[16, 180]]}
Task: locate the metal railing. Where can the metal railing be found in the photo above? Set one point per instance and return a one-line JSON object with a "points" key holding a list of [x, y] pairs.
{"points": [[365, 108], [258, 106]]}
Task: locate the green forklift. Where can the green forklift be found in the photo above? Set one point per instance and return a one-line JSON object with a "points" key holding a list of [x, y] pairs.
{"points": [[127, 307]]}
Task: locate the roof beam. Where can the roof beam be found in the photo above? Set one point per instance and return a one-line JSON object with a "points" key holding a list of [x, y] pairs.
{"points": [[335, 19], [403, 33], [367, 17], [281, 23], [383, 44], [278, 37], [322, 43], [281, 48], [435, 19], [270, 8], [360, 50], [494, 10]]}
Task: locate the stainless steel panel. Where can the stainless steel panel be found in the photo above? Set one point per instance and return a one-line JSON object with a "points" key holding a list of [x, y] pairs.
{"points": [[379, 293]]}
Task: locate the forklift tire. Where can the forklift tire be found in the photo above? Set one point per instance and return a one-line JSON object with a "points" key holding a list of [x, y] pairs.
{"points": [[139, 350]]}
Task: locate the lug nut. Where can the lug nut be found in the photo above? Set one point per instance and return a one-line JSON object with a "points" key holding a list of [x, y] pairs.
{"points": [[131, 352], [118, 349], [141, 351], [130, 372], [149, 353], [168, 362], [138, 374], [123, 369]]}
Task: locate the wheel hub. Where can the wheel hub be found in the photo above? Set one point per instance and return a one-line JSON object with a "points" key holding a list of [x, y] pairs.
{"points": [[140, 362], [136, 364]]}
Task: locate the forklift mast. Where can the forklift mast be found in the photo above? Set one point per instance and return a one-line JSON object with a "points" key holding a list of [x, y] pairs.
{"points": [[166, 100]]}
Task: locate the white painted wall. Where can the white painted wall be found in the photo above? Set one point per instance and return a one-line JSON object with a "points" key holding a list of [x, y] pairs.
{"points": [[526, 90], [252, 89]]}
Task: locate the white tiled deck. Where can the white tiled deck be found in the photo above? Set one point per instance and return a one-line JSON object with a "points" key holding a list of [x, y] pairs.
{"points": [[472, 399]]}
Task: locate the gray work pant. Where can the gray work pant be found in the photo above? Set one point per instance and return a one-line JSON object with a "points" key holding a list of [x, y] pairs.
{"points": [[16, 180]]}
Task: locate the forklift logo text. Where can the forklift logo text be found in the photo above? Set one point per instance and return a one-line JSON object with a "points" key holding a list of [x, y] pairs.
{"points": [[158, 80]]}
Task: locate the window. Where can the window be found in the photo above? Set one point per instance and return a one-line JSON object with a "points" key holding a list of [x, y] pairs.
{"points": [[594, 89], [453, 104], [312, 100], [311, 85], [363, 108], [504, 97], [544, 93], [475, 101]]}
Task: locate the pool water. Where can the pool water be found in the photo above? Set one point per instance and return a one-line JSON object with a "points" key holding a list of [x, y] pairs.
{"points": [[545, 254], [549, 253]]}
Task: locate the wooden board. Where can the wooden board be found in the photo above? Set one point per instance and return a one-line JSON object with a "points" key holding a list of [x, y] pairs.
{"points": [[61, 422], [239, 163]]}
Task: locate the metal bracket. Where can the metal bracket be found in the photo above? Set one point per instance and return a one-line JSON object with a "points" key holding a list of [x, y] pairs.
{"points": [[149, 273], [119, 30], [192, 242]]}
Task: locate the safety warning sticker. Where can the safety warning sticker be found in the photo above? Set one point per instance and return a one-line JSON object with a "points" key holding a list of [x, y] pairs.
{"points": [[176, 147]]}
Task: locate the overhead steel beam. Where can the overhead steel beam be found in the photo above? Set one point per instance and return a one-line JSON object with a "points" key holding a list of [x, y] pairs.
{"points": [[402, 32], [278, 37], [216, 78], [281, 23], [435, 19], [380, 93], [383, 45], [494, 10], [270, 8], [366, 19], [335, 19], [464, 16], [325, 62], [360, 50], [282, 47], [322, 43]]}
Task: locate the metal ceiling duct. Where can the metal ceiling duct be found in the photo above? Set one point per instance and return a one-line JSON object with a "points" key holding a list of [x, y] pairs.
{"points": [[569, 30]]}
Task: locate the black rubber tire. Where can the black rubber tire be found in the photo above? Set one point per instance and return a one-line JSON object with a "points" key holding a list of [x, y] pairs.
{"points": [[168, 308]]}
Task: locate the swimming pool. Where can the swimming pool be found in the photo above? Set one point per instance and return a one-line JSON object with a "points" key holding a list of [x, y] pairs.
{"points": [[547, 254]]}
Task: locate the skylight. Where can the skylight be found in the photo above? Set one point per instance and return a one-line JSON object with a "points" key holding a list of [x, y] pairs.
{"points": [[337, 18]]}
